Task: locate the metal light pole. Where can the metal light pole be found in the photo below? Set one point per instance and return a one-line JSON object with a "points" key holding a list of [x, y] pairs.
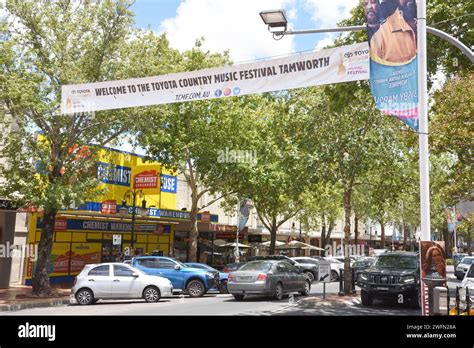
{"points": [[277, 21], [129, 194]]}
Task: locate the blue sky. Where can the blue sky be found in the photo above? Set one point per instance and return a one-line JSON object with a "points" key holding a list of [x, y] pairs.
{"points": [[236, 24]]}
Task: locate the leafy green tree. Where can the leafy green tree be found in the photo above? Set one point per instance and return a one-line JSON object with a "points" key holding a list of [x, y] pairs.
{"points": [[195, 138], [47, 44]]}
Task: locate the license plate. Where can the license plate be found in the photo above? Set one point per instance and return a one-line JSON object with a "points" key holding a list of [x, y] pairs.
{"points": [[72, 299], [245, 278], [381, 288]]}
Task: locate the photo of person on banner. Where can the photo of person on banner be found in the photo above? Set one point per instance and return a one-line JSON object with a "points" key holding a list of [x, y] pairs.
{"points": [[433, 260], [395, 39]]}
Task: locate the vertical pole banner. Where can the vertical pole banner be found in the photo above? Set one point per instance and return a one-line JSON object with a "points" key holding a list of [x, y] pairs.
{"points": [[433, 271], [391, 27]]}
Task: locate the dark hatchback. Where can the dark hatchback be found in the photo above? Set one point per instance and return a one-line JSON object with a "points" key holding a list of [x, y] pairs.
{"points": [[392, 275]]}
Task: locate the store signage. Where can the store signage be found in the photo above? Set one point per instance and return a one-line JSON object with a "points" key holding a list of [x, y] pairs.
{"points": [[146, 179], [113, 174], [60, 224], [105, 226], [117, 239], [169, 183], [334, 65], [109, 207], [206, 216]]}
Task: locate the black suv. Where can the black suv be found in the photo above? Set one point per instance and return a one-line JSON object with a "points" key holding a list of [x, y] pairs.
{"points": [[392, 275], [311, 270]]}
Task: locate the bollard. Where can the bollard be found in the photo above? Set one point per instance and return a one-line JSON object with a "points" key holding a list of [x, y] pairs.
{"points": [[341, 279], [468, 301], [439, 300], [449, 299], [457, 300]]}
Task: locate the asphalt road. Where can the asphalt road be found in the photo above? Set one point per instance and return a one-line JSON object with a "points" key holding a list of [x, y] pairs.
{"points": [[220, 304]]}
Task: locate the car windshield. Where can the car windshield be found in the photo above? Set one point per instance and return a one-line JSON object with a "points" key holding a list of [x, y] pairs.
{"points": [[467, 260], [471, 272], [257, 266], [362, 263], [397, 261]]}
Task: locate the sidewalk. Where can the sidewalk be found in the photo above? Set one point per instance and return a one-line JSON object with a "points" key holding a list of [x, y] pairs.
{"points": [[20, 297]]}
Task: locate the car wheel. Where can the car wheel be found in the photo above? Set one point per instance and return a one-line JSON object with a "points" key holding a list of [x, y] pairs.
{"points": [[195, 288], [310, 276], [151, 294], [223, 289], [85, 297], [278, 294], [239, 297], [415, 300], [306, 288], [366, 298], [334, 276]]}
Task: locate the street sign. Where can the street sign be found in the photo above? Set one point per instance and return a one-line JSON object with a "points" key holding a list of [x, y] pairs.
{"points": [[324, 272], [117, 239]]}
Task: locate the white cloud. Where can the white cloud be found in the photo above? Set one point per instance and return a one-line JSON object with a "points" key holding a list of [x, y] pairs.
{"points": [[327, 13], [231, 24], [329, 40]]}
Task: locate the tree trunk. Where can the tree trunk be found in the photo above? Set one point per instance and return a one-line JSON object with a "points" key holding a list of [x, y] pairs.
{"points": [[323, 233], [406, 234], [382, 229], [328, 236], [193, 233], [41, 285], [273, 235], [347, 240], [469, 239], [356, 230]]}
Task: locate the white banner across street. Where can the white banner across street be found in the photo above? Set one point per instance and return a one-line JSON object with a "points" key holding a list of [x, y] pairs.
{"points": [[341, 64]]}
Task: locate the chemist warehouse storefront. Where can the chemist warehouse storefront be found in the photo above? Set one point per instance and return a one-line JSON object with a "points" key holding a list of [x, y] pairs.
{"points": [[100, 231], [81, 238]]}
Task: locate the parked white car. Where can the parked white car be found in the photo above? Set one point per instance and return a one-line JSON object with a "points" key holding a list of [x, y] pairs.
{"points": [[461, 269], [336, 266], [117, 281], [467, 282]]}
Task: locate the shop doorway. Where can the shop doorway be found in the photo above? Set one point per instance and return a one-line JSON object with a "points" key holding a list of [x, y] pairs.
{"points": [[111, 253]]}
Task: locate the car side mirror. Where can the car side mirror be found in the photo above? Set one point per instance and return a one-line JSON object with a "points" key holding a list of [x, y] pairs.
{"points": [[177, 267], [135, 275]]}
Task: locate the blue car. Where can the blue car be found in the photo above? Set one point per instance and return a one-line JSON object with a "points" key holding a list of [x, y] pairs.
{"points": [[192, 281], [222, 275]]}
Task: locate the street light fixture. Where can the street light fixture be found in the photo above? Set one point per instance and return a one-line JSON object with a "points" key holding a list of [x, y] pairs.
{"points": [[275, 19], [132, 195]]}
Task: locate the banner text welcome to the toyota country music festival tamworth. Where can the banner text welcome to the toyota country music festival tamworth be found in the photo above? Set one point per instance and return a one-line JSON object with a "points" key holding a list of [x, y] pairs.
{"points": [[341, 64]]}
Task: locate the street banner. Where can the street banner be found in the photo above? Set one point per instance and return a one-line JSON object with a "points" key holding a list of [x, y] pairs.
{"points": [[335, 65], [392, 34], [433, 270], [244, 213]]}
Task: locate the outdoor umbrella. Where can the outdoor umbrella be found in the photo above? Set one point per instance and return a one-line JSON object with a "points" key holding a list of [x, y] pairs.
{"points": [[294, 244], [233, 245], [267, 244]]}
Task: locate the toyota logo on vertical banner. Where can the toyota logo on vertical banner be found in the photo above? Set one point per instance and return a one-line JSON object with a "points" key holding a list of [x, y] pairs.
{"points": [[146, 179]]}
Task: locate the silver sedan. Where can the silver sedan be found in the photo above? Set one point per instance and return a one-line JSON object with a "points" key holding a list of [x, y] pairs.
{"points": [[267, 277], [117, 281]]}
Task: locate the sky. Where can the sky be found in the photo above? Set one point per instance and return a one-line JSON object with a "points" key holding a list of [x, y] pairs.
{"points": [[236, 25]]}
